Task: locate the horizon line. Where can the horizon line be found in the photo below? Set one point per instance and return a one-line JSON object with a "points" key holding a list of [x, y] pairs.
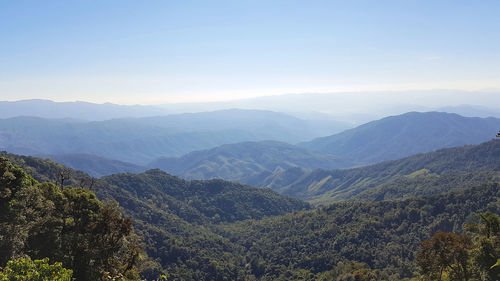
{"points": [[218, 100]]}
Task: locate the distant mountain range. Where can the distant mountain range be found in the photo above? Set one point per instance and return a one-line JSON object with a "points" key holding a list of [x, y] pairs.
{"points": [[77, 110], [361, 107], [338, 106], [389, 138], [94, 165], [269, 163], [141, 140], [472, 110]]}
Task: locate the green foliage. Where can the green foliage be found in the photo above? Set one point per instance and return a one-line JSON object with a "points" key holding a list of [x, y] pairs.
{"points": [[203, 201], [177, 217], [404, 187], [383, 235], [45, 170], [67, 224], [24, 269], [486, 238], [447, 256]]}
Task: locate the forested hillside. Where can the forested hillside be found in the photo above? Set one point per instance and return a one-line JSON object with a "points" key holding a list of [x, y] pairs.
{"points": [[243, 160], [201, 201], [174, 216], [68, 225], [383, 236], [403, 135], [429, 173]]}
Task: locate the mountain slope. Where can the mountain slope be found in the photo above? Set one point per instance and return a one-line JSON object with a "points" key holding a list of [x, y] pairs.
{"points": [[232, 201], [247, 159], [176, 217], [323, 186], [383, 238], [210, 201], [407, 134]]}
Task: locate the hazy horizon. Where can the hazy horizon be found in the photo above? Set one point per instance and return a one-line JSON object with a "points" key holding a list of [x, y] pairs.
{"points": [[437, 92], [353, 108]]}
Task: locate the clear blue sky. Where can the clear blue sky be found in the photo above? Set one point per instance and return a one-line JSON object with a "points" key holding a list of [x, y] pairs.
{"points": [[159, 51]]}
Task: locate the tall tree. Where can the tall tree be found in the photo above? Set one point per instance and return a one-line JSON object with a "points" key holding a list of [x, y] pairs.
{"points": [[445, 257]]}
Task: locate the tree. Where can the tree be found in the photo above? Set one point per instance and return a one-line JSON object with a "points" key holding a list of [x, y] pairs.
{"points": [[67, 224], [490, 223], [24, 269], [486, 251], [63, 174], [12, 181], [445, 257]]}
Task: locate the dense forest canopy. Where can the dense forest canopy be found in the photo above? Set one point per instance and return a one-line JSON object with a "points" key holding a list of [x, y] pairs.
{"points": [[66, 224]]}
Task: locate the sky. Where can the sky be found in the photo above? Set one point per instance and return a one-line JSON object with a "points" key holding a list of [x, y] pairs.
{"points": [[150, 52]]}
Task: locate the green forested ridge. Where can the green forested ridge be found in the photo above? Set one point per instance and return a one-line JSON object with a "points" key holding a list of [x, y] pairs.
{"points": [[242, 160], [193, 201], [175, 216], [433, 171], [426, 184], [211, 200]]}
